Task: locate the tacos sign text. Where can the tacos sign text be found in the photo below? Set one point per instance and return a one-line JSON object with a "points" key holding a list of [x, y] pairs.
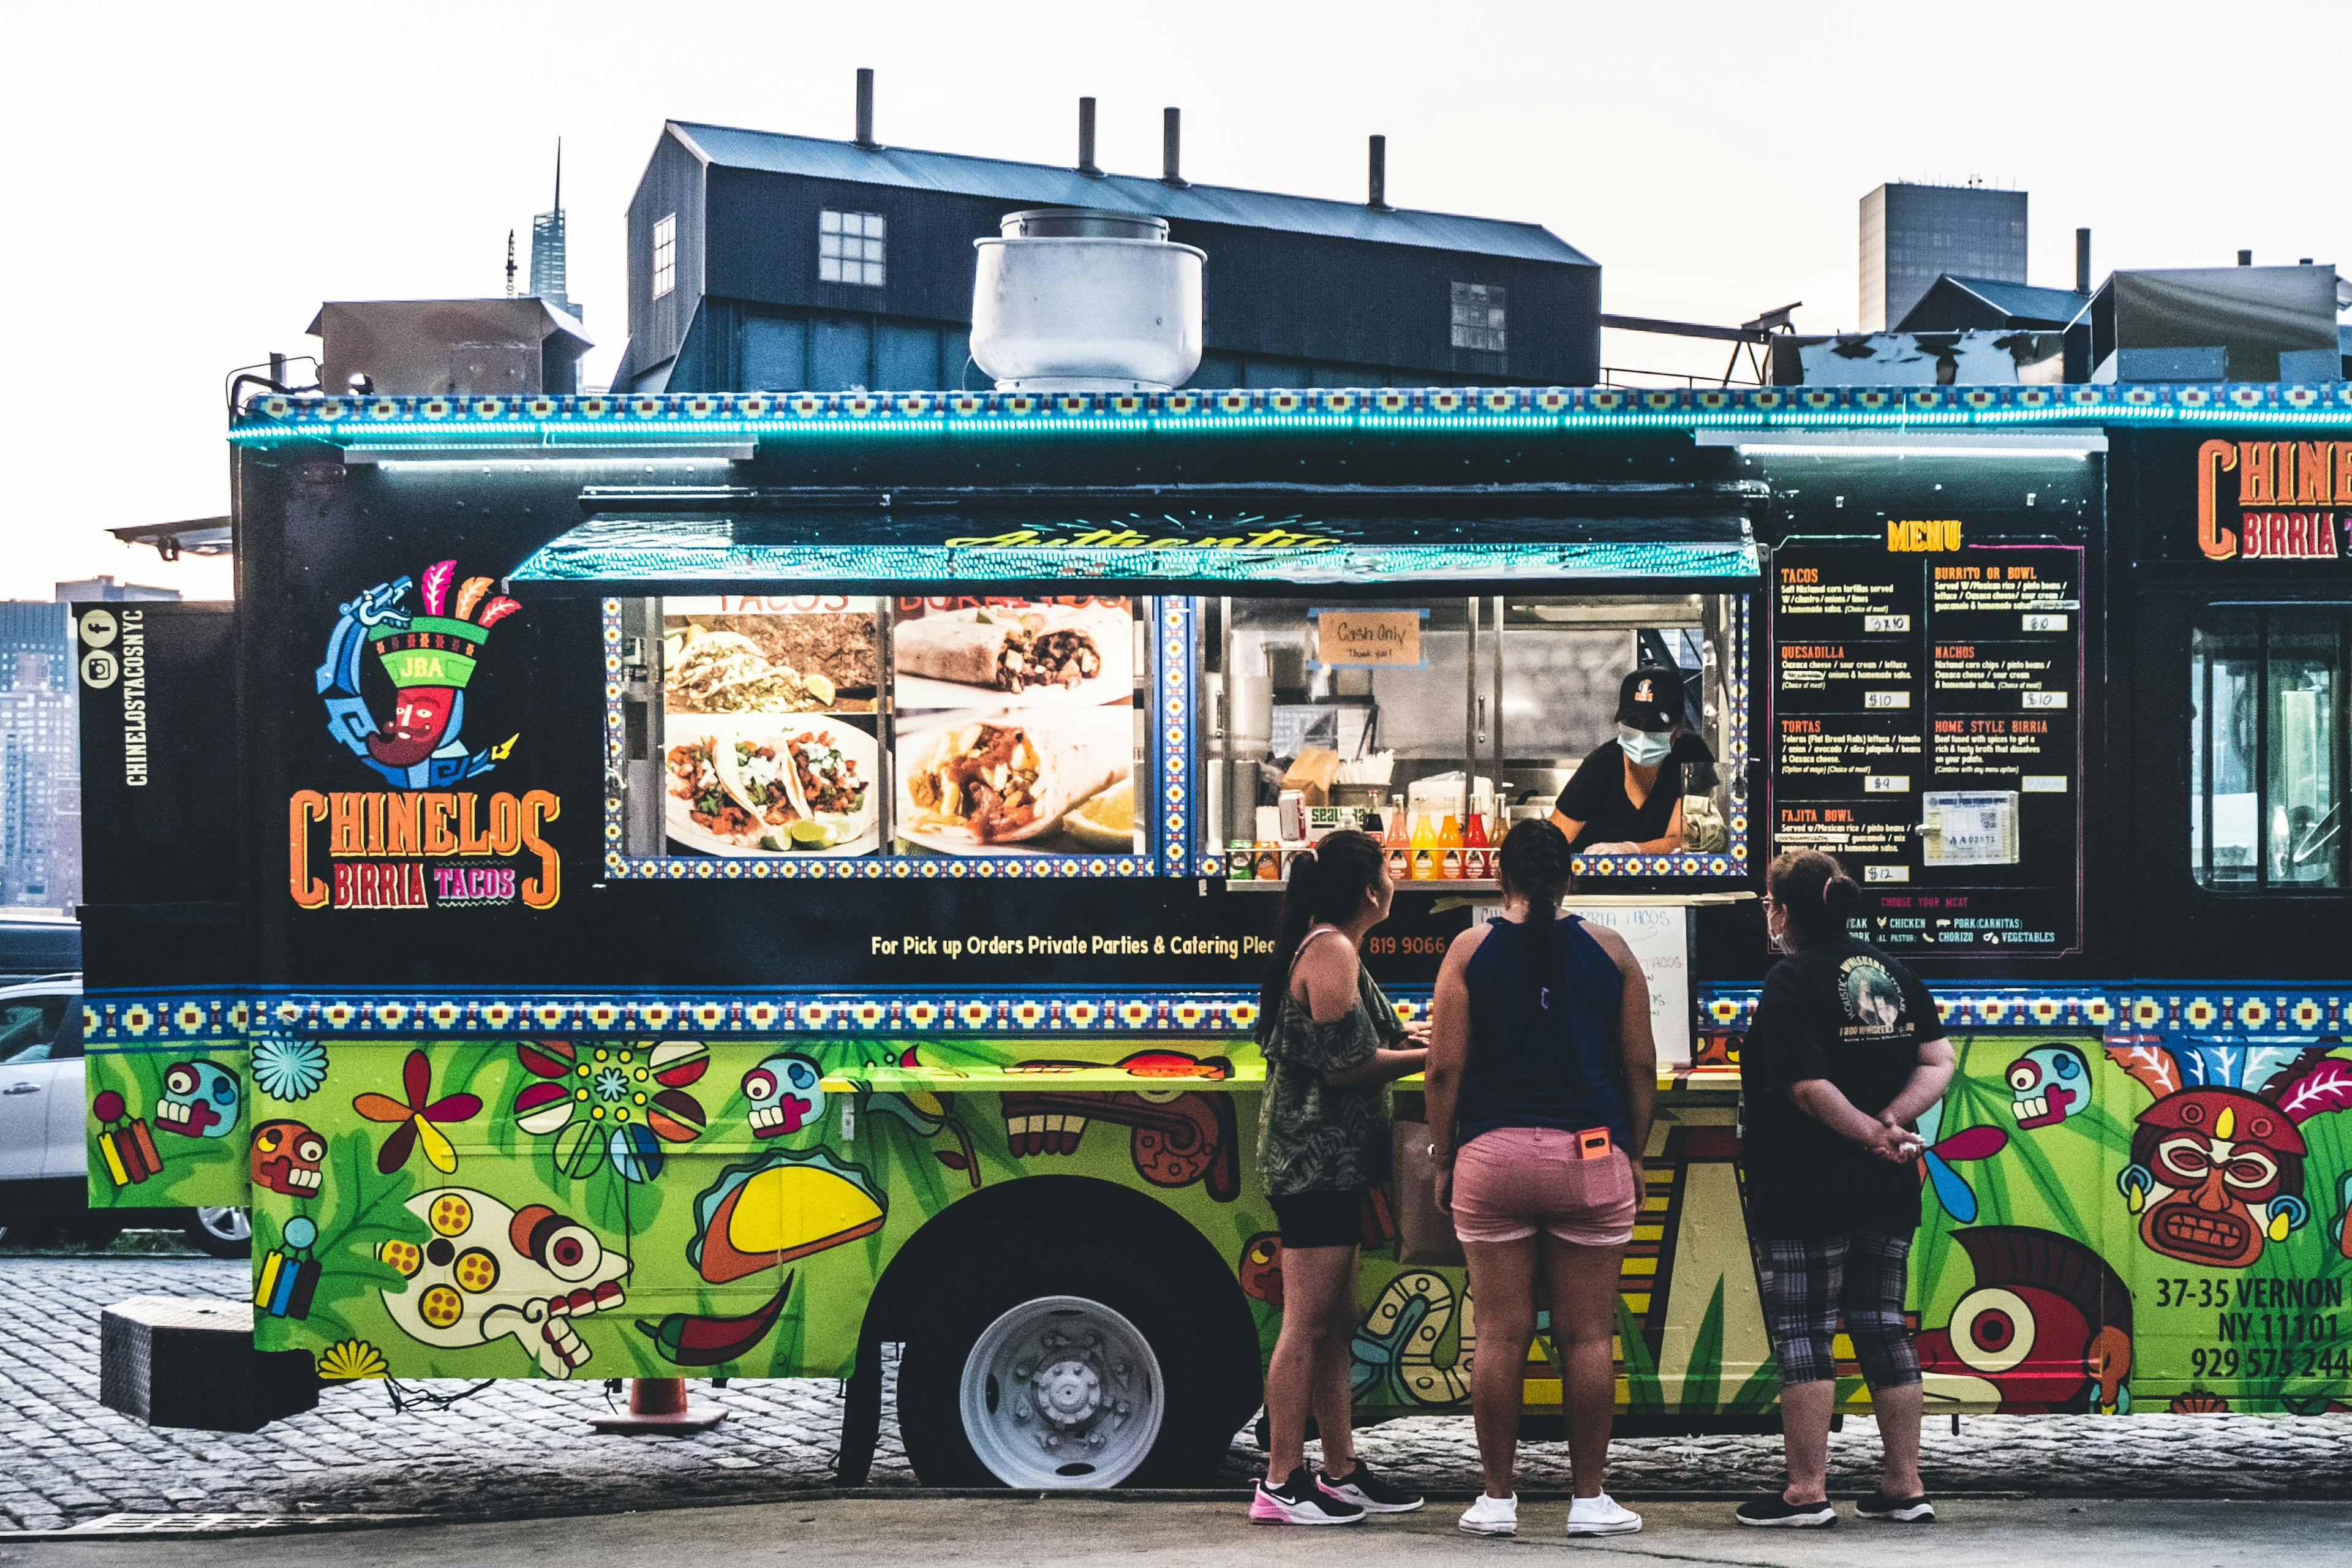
{"points": [[385, 847]]}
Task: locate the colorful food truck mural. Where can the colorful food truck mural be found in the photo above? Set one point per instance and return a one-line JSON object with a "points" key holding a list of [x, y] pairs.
{"points": [[713, 886]]}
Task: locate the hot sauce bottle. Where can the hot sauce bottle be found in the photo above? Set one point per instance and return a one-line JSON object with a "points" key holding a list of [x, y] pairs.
{"points": [[1449, 848], [1425, 849], [1478, 857]]}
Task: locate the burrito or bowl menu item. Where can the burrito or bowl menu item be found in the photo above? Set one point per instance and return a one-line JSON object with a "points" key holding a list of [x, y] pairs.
{"points": [[699, 793], [1013, 649], [1009, 777], [726, 672]]}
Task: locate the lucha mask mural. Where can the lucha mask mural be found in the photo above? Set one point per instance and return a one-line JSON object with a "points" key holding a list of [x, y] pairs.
{"points": [[783, 1093], [2217, 1163], [286, 1159], [200, 1100], [488, 1272], [2049, 1083], [2046, 1329]]}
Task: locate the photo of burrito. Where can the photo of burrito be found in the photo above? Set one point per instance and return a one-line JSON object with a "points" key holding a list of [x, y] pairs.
{"points": [[981, 782], [1031, 655]]}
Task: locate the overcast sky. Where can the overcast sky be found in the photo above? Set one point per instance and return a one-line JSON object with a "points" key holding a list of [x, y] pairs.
{"points": [[186, 183]]}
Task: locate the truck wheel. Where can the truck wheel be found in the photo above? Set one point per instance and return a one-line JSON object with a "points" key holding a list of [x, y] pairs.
{"points": [[221, 1232], [1059, 1380]]}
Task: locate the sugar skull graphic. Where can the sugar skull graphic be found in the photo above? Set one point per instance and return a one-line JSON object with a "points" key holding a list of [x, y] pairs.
{"points": [[2217, 1162], [286, 1157], [2049, 1083], [200, 1100], [785, 1095], [430, 659], [487, 1272]]}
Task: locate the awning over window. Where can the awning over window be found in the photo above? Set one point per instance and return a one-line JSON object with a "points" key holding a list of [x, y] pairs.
{"points": [[1008, 552]]}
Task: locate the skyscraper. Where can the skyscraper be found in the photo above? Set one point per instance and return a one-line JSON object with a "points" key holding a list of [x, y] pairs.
{"points": [[547, 280], [1912, 234]]}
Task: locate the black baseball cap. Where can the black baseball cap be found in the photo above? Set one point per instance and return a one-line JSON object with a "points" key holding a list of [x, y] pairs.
{"points": [[1650, 699]]}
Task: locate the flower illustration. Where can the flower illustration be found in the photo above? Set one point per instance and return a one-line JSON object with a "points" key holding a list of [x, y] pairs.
{"points": [[417, 1118], [616, 1103], [289, 1068], [347, 1361]]}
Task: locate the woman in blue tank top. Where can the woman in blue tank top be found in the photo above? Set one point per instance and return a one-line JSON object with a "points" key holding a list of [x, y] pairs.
{"points": [[1540, 1078]]}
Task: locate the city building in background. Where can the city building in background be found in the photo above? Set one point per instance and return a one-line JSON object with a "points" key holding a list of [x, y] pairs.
{"points": [[547, 259], [1912, 234]]}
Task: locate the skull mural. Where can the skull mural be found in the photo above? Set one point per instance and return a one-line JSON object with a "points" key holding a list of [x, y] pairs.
{"points": [[488, 1272], [286, 1159], [784, 1095], [2049, 1084], [200, 1100]]}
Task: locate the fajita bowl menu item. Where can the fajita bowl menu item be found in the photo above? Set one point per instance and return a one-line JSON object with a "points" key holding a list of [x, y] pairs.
{"points": [[1011, 776], [726, 672], [1012, 648]]}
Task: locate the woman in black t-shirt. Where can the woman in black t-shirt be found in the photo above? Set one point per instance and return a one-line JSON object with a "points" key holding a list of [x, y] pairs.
{"points": [[1627, 796], [1844, 1053]]}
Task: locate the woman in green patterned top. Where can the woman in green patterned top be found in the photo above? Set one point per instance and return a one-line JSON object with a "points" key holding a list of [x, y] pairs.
{"points": [[1332, 1045]]}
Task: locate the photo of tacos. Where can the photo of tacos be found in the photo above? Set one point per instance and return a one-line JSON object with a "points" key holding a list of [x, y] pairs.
{"points": [[810, 784], [1022, 654], [701, 811], [1004, 781]]}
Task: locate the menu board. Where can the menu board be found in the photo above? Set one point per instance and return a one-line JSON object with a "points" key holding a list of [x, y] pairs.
{"points": [[1926, 725]]}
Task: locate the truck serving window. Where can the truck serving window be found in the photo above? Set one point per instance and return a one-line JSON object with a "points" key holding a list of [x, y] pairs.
{"points": [[2267, 738]]}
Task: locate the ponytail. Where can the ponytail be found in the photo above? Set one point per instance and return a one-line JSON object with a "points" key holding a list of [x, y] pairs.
{"points": [[1815, 890], [1328, 884], [1533, 864]]}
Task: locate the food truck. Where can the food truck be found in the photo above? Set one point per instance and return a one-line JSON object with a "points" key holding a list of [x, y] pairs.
{"points": [[711, 886]]}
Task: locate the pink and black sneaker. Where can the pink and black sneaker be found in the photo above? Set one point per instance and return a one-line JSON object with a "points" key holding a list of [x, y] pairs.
{"points": [[1301, 1500]]}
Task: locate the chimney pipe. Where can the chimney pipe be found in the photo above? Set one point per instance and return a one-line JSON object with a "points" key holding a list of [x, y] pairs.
{"points": [[1086, 139], [2082, 261], [277, 370], [2245, 258], [1379, 199], [866, 110], [1172, 139]]}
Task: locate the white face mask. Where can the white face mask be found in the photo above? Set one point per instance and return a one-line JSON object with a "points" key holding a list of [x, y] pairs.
{"points": [[1642, 747]]}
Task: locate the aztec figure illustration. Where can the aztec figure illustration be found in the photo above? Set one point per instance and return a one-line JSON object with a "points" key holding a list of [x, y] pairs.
{"points": [[431, 658], [489, 1272], [2045, 1330], [2217, 1162], [286, 1157], [1178, 1138], [2051, 1083], [200, 1100], [783, 1093]]}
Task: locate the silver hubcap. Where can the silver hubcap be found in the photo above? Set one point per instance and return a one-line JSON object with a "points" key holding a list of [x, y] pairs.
{"points": [[229, 1225], [1061, 1393]]}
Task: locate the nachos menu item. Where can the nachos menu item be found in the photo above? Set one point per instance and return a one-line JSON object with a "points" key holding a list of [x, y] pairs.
{"points": [[1009, 777], [1012, 648], [727, 672]]}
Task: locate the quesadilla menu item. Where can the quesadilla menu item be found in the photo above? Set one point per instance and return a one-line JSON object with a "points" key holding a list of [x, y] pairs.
{"points": [[725, 672], [1011, 776], [699, 790], [1014, 648]]}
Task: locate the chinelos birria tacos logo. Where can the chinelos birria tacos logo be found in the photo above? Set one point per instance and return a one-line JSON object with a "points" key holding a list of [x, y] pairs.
{"points": [[421, 844], [431, 658]]}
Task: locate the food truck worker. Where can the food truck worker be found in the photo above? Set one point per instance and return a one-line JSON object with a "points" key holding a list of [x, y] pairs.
{"points": [[1627, 794]]}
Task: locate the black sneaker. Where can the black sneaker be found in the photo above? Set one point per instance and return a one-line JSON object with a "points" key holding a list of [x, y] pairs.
{"points": [[1774, 1512], [1299, 1500], [1908, 1511], [1370, 1492]]}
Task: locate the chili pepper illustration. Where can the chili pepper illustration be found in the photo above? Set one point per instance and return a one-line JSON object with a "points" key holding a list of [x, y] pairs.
{"points": [[691, 1340]]}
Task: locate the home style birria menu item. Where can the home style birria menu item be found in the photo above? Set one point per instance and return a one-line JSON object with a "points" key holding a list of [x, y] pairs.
{"points": [[720, 921]]}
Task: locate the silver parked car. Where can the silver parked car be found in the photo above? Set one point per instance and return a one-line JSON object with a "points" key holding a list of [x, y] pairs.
{"points": [[44, 1149]]}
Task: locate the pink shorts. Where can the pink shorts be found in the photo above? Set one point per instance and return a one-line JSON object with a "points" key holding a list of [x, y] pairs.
{"points": [[1510, 1180]]}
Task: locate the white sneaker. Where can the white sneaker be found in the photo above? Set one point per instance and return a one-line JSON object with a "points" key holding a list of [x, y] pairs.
{"points": [[1601, 1516], [1493, 1515]]}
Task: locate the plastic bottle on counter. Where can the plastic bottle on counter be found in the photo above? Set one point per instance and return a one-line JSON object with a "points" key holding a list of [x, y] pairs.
{"points": [[1449, 848], [1395, 840], [1478, 852], [1424, 844]]}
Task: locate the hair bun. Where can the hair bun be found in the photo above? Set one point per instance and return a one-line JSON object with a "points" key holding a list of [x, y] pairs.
{"points": [[1840, 894]]}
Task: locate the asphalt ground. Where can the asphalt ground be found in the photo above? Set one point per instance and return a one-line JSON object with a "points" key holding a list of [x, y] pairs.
{"points": [[522, 1449]]}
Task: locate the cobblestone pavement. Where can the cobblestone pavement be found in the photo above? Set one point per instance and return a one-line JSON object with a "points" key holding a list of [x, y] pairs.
{"points": [[522, 1448]]}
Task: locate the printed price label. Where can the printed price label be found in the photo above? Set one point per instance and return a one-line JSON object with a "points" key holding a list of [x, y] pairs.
{"points": [[2045, 623], [2046, 699], [1886, 623], [1887, 783], [2043, 784], [1887, 873], [1886, 699]]}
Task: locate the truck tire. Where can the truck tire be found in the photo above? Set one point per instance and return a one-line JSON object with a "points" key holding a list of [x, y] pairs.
{"points": [[1071, 1373], [221, 1232]]}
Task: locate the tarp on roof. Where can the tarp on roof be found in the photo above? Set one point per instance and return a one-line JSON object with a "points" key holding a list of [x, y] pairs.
{"points": [[667, 552], [1041, 185]]}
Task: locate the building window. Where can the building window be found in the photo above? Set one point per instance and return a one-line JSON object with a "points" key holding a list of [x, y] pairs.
{"points": [[2267, 762], [665, 255], [849, 248], [1478, 317]]}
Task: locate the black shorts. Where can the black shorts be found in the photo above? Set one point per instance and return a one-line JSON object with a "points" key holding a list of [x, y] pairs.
{"points": [[1321, 1219]]}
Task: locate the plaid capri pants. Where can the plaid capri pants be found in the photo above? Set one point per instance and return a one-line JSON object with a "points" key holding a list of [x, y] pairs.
{"points": [[1809, 1283]]}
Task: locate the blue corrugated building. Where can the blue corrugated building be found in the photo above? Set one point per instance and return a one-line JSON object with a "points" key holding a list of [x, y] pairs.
{"points": [[760, 262]]}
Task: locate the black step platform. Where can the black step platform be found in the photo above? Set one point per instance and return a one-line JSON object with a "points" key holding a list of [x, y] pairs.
{"points": [[171, 1362]]}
